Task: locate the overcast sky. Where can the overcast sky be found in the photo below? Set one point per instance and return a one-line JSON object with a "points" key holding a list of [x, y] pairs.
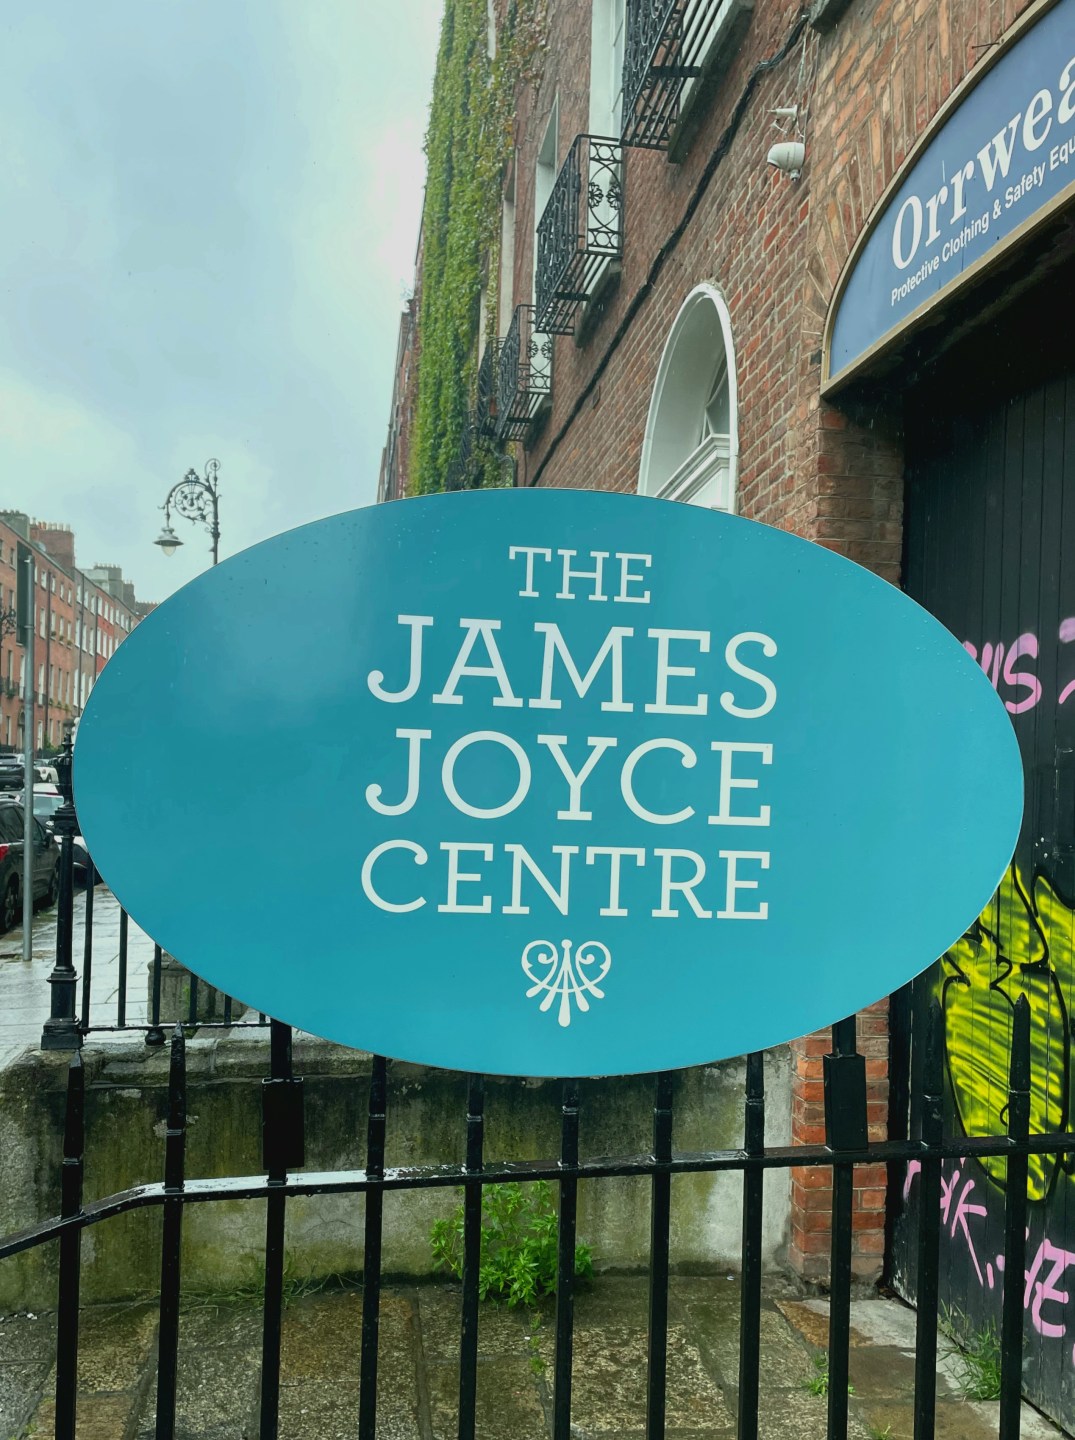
{"points": [[210, 210]]}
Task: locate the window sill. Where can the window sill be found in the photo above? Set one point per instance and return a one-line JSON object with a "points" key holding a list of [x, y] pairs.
{"points": [[708, 465], [723, 47]]}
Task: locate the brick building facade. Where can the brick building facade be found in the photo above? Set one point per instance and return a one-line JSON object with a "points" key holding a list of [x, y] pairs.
{"points": [[392, 480], [81, 617], [692, 321]]}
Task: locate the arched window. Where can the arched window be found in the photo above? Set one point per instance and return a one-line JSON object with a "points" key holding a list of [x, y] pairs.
{"points": [[691, 447]]}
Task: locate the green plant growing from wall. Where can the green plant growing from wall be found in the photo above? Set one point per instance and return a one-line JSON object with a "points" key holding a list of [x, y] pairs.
{"points": [[467, 146], [518, 1244]]}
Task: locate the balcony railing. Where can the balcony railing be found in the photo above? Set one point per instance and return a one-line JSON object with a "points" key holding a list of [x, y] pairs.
{"points": [[579, 233], [485, 408], [670, 44], [460, 472], [524, 380]]}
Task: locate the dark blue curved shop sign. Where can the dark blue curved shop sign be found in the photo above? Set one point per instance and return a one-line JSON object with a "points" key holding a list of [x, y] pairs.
{"points": [[548, 782], [1000, 163]]}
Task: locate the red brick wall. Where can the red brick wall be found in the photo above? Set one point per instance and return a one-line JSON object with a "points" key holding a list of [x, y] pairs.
{"points": [[775, 248], [811, 1186]]}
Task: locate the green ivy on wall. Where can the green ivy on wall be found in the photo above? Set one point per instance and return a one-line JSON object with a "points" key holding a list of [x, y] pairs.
{"points": [[467, 146]]}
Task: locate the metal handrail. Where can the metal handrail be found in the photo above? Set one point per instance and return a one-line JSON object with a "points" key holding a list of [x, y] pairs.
{"points": [[524, 378]]}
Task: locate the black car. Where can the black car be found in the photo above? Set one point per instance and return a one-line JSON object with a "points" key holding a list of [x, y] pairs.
{"points": [[12, 773], [46, 803], [46, 865]]}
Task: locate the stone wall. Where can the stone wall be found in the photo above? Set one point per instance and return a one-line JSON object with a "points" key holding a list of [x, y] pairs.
{"points": [[126, 1106]]}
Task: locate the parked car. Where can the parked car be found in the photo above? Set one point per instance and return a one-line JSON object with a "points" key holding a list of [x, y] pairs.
{"points": [[46, 865], [11, 772], [47, 800]]}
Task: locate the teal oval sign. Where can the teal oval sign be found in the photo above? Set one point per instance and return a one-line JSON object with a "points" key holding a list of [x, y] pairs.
{"points": [[548, 782]]}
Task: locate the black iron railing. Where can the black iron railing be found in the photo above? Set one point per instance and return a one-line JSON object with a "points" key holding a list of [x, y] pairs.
{"points": [[141, 992], [126, 983], [524, 378], [160, 992], [846, 1147], [666, 45], [459, 474], [485, 406], [580, 232]]}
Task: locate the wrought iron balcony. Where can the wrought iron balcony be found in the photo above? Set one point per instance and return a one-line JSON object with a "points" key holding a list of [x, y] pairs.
{"points": [[460, 472], [669, 44], [485, 408], [524, 379], [580, 232]]}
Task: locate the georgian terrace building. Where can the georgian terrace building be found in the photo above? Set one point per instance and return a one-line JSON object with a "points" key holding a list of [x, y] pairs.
{"points": [[812, 265], [81, 618]]}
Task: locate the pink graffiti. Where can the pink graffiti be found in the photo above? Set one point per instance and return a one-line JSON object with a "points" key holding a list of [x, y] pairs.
{"points": [[959, 1218], [1000, 666], [1044, 1291], [962, 1215], [999, 662], [914, 1168]]}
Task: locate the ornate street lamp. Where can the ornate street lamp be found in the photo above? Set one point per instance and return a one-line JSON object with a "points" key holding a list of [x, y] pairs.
{"points": [[197, 500]]}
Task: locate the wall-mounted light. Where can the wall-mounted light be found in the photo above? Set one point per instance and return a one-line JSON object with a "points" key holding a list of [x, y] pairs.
{"points": [[788, 157]]}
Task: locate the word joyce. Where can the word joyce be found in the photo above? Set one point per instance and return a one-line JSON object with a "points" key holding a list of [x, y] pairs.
{"points": [[921, 223], [558, 782]]}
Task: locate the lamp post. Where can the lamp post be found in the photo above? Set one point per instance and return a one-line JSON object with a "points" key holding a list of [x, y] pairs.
{"points": [[196, 499], [9, 626], [61, 1030]]}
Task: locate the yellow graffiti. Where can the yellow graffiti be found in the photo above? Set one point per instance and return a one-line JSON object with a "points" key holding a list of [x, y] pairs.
{"points": [[1023, 943]]}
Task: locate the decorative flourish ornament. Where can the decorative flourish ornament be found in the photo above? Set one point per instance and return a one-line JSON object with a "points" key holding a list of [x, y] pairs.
{"points": [[571, 979]]}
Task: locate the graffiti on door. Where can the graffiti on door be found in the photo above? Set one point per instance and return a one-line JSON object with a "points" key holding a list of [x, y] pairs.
{"points": [[967, 1210], [1011, 667], [1023, 943]]}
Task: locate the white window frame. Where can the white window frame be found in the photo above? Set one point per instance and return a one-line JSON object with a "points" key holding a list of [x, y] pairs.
{"points": [[545, 172], [546, 169], [506, 297], [608, 29], [699, 341]]}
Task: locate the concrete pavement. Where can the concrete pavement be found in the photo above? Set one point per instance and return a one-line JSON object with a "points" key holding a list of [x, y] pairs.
{"points": [[219, 1363]]}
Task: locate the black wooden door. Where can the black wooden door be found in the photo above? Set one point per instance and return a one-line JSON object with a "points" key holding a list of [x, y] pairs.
{"points": [[990, 550]]}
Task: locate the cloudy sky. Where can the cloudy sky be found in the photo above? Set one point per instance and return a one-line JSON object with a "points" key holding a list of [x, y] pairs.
{"points": [[210, 210]]}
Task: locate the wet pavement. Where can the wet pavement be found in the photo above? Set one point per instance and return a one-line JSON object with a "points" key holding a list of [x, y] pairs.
{"points": [[24, 987], [220, 1348]]}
